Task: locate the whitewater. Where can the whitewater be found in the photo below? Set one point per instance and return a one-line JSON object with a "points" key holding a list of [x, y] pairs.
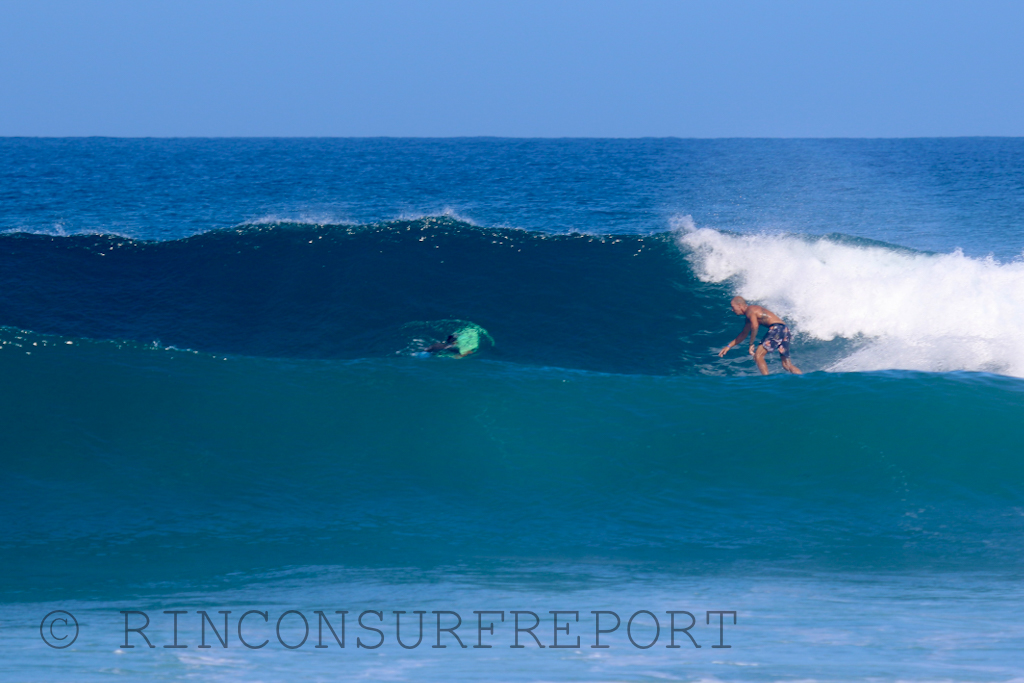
{"points": [[908, 310]]}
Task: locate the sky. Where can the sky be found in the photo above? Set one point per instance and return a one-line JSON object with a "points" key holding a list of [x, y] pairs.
{"points": [[519, 68]]}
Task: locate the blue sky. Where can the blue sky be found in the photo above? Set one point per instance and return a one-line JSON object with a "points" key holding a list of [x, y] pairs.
{"points": [[518, 68]]}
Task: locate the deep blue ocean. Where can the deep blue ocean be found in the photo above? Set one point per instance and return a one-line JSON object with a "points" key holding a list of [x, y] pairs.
{"points": [[214, 398]]}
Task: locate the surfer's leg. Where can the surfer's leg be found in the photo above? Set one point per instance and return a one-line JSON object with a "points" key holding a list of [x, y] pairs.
{"points": [[787, 364], [759, 355]]}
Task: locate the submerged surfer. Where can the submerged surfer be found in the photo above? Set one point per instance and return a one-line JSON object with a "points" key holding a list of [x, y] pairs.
{"points": [[777, 339], [463, 342]]}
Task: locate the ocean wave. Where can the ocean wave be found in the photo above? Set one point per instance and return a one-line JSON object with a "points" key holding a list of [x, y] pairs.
{"points": [[611, 303], [651, 304]]}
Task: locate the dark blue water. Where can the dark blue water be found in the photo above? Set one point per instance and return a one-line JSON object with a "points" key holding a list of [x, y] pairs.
{"points": [[925, 194], [213, 399]]}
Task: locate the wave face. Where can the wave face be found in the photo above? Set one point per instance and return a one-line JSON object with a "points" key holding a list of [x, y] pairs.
{"points": [[155, 463], [615, 303]]}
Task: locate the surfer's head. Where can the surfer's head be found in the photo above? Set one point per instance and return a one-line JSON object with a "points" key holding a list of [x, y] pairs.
{"points": [[739, 305], [451, 339]]}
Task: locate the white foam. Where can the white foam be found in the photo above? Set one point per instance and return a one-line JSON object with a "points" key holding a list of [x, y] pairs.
{"points": [[931, 312], [305, 218], [61, 229], [324, 218], [446, 212]]}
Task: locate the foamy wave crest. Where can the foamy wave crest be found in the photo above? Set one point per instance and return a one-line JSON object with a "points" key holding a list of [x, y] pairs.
{"points": [[446, 212], [312, 219], [911, 310], [325, 218], [61, 229]]}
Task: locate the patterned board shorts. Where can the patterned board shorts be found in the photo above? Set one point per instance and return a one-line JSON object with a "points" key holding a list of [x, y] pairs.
{"points": [[777, 339]]}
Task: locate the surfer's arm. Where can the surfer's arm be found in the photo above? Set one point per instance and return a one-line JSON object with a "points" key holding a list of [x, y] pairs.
{"points": [[753, 325], [737, 340]]}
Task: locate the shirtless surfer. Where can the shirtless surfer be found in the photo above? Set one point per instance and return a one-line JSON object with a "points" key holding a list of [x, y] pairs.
{"points": [[777, 338]]}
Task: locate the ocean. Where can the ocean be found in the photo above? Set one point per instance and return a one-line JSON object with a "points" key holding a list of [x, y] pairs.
{"points": [[220, 426]]}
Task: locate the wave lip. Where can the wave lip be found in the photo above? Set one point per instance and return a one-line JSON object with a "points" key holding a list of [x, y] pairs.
{"points": [[906, 310]]}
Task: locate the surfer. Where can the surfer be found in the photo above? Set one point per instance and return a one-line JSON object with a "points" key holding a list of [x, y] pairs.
{"points": [[463, 342], [448, 343], [777, 339]]}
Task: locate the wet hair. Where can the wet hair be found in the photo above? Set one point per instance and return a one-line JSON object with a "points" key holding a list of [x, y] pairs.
{"points": [[738, 300]]}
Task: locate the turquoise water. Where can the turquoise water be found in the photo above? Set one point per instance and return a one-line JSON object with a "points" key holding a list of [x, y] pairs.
{"points": [[214, 400]]}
